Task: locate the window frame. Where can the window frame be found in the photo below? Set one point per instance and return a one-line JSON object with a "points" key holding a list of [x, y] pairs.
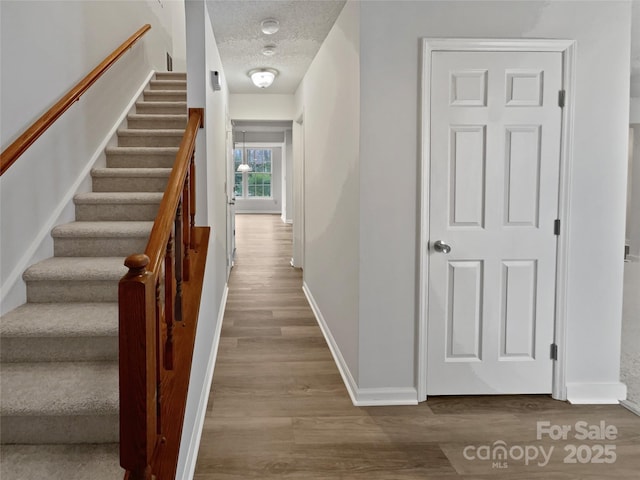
{"points": [[243, 147]]}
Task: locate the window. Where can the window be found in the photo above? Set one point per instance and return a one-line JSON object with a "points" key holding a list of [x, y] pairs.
{"points": [[257, 182]]}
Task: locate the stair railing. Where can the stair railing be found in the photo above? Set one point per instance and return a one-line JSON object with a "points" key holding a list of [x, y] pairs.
{"points": [[31, 134], [150, 301]]}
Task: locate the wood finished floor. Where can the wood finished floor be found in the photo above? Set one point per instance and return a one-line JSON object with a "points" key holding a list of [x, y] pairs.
{"points": [[279, 410]]}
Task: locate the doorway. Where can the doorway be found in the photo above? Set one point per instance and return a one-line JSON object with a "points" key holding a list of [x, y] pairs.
{"points": [[493, 197]]}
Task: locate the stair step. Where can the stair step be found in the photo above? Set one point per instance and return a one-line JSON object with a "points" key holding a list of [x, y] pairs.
{"points": [[61, 462], [160, 121], [55, 402], [130, 179], [141, 157], [172, 84], [100, 239], [150, 137], [169, 108], [165, 95], [74, 279], [60, 332], [117, 206], [171, 75]]}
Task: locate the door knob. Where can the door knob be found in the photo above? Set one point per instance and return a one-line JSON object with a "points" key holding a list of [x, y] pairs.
{"points": [[440, 246]]}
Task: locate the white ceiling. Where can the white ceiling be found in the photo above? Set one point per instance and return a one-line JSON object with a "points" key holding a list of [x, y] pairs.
{"points": [[304, 24]]}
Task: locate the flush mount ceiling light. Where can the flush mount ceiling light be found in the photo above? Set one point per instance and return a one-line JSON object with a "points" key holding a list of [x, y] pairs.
{"points": [[263, 77], [269, 26], [269, 50]]}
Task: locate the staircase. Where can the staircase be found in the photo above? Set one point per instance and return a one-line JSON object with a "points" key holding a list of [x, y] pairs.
{"points": [[59, 351]]}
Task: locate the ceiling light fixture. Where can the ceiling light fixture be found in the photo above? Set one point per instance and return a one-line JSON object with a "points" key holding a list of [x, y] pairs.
{"points": [[269, 50], [263, 77], [269, 26]]}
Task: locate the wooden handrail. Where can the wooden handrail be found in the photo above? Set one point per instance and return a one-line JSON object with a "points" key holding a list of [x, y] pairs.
{"points": [[24, 141]]}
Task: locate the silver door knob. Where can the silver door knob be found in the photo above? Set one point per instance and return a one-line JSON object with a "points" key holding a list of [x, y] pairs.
{"points": [[440, 246]]}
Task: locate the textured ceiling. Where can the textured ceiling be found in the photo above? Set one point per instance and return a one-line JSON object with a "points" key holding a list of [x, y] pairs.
{"points": [[304, 24]]}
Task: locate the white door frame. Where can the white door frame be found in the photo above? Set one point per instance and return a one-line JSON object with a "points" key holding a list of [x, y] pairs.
{"points": [[568, 50], [298, 148]]}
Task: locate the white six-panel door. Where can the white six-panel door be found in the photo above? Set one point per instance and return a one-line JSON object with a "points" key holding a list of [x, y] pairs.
{"points": [[494, 178]]}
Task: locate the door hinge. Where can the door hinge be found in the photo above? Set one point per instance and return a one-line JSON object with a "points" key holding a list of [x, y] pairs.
{"points": [[562, 94], [556, 226], [554, 351]]}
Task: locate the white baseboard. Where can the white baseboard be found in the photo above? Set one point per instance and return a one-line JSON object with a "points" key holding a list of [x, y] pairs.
{"points": [[194, 441], [29, 256], [360, 397], [372, 397], [596, 393], [631, 406]]}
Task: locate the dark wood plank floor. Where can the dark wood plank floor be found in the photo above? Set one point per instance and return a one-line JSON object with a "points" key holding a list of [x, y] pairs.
{"points": [[279, 410]]}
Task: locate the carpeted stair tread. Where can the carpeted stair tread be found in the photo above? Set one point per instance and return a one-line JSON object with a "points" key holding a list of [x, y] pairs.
{"points": [[131, 172], [102, 229], [173, 84], [142, 150], [150, 107], [158, 116], [60, 332], [59, 389], [76, 269], [100, 239], [117, 206], [151, 132], [130, 179], [156, 120], [118, 197], [61, 462], [150, 137], [171, 75], [60, 320], [165, 95]]}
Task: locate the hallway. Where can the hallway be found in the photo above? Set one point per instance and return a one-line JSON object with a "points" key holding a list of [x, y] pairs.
{"points": [[278, 408]]}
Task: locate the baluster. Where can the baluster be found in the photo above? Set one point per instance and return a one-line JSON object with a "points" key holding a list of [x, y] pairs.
{"points": [[159, 354], [178, 245], [168, 300], [137, 357], [192, 199], [186, 231]]}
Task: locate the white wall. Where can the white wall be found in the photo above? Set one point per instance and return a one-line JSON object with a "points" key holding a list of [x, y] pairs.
{"points": [[176, 11], [212, 200], [45, 49], [329, 96], [266, 205], [243, 106], [389, 56]]}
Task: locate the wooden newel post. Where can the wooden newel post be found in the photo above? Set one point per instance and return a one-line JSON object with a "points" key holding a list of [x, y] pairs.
{"points": [[137, 358]]}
